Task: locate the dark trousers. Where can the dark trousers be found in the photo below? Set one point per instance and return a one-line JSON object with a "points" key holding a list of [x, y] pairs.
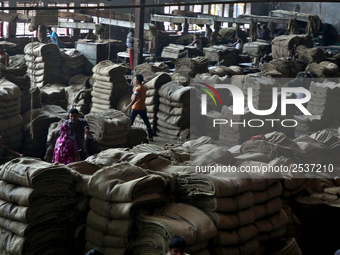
{"points": [[142, 114]]}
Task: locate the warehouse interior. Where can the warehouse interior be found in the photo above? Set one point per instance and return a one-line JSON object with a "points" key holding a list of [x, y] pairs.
{"points": [[157, 127]]}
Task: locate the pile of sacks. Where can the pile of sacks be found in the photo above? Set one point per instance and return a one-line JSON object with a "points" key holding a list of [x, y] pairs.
{"points": [[54, 95], [174, 111], [200, 65], [114, 205], [177, 219], [110, 84], [78, 94], [323, 69], [270, 218], [152, 100], [228, 202], [43, 63], [281, 68], [10, 118], [109, 130], [324, 99], [283, 46], [233, 134], [308, 123], [36, 130], [309, 55], [73, 62], [222, 71], [37, 205]]}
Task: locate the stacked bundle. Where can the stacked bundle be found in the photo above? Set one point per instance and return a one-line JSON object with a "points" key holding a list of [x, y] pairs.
{"points": [[155, 231], [231, 135], [114, 205], [184, 69], [308, 123], [283, 46], [109, 130], [152, 101], [262, 93], [200, 65], [10, 118], [292, 182], [218, 53], [54, 95], [282, 67], [174, 110], [34, 144], [159, 67], [309, 55], [79, 97], [228, 201], [270, 219], [324, 99], [37, 202], [43, 63], [73, 62], [332, 141], [173, 51], [110, 84]]}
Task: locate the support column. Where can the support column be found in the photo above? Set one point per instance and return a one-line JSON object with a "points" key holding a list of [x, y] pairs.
{"points": [[139, 34], [231, 14], [76, 32], [12, 26]]}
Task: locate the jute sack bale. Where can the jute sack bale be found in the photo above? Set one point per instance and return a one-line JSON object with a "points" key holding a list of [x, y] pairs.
{"points": [[235, 70], [8, 90], [329, 67], [220, 71], [217, 155]]}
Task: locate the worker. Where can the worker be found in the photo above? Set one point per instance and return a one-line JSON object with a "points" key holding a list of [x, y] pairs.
{"points": [[91, 35], [4, 57], [130, 45], [139, 106], [54, 37], [238, 44], [78, 127], [265, 32], [177, 246], [197, 42], [7, 154], [65, 149], [208, 32], [214, 37]]}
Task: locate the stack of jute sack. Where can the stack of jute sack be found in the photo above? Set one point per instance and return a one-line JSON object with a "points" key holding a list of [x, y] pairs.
{"points": [[281, 68], [177, 219], [307, 123], [200, 65], [43, 63], [109, 130], [283, 46], [235, 132], [54, 94], [37, 205], [79, 97], [219, 53], [10, 118], [152, 100], [36, 125], [114, 205], [174, 110], [110, 84], [227, 200], [324, 99], [270, 219], [73, 62]]}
